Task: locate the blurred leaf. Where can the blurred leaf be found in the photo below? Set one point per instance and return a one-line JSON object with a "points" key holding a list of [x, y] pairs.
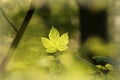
{"points": [[109, 67], [99, 66], [104, 59]]}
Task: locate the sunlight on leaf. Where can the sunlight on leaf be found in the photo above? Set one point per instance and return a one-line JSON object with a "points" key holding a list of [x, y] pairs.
{"points": [[51, 50], [47, 43], [54, 34], [62, 48], [55, 41], [63, 40]]}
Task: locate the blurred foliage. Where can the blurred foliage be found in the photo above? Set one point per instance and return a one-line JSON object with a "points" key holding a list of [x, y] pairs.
{"points": [[30, 60], [62, 14]]}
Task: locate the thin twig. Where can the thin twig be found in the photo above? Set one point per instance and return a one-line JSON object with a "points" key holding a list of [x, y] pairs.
{"points": [[12, 25], [17, 38]]}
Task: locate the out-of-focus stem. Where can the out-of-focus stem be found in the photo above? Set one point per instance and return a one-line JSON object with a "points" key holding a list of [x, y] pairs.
{"points": [[17, 38]]}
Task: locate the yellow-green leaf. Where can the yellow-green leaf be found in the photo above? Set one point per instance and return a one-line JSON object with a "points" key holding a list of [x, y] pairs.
{"points": [[55, 41], [63, 40], [51, 50], [62, 48], [54, 34], [109, 67], [46, 42]]}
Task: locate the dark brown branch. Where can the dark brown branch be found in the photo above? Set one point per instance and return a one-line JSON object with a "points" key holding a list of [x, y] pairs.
{"points": [[18, 37], [12, 25]]}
